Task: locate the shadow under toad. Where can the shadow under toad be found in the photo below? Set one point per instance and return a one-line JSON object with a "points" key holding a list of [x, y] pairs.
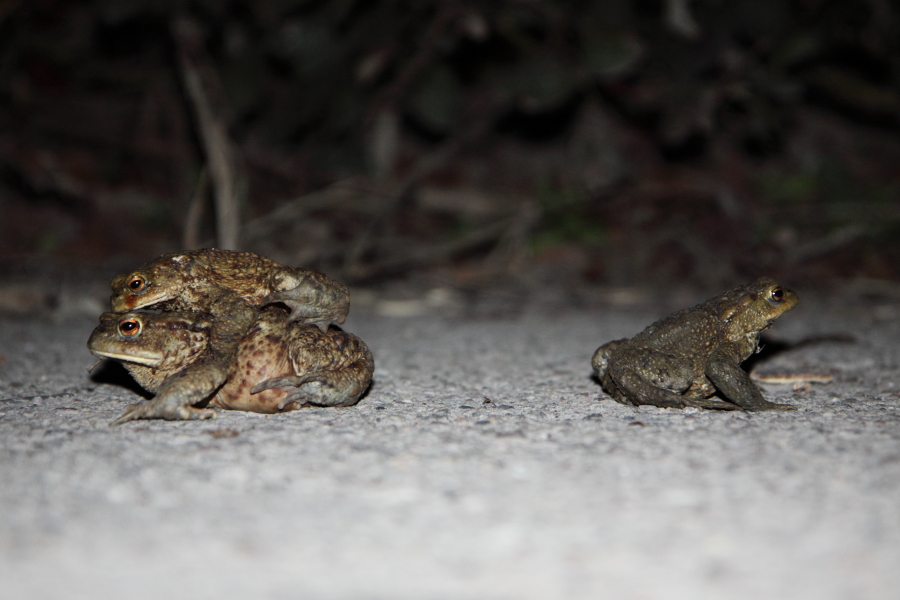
{"points": [[769, 347], [112, 373]]}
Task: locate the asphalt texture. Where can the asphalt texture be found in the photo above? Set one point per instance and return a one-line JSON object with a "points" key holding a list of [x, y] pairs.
{"points": [[483, 463]]}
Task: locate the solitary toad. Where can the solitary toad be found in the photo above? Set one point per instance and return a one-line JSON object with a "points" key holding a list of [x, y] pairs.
{"points": [[279, 366], [231, 286], [684, 359]]}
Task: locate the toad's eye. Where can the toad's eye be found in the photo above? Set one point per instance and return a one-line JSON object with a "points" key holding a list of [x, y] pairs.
{"points": [[129, 327], [777, 294], [137, 283]]}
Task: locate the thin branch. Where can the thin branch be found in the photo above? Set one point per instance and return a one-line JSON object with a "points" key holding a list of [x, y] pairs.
{"points": [[445, 16], [191, 239], [424, 166], [216, 145], [349, 194], [438, 252]]}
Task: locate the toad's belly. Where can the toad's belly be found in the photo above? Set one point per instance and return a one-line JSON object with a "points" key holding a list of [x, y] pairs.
{"points": [[253, 368], [237, 396]]}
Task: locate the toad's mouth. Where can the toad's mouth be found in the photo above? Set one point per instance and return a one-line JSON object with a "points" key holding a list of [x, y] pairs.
{"points": [[150, 297], [149, 360]]}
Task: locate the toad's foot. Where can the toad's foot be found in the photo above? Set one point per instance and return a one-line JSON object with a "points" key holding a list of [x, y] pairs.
{"points": [[176, 398], [711, 403], [311, 296], [323, 388], [154, 410]]}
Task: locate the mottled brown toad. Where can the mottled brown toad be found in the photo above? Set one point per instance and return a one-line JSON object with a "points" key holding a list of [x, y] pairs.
{"points": [[684, 359], [194, 280], [279, 366]]}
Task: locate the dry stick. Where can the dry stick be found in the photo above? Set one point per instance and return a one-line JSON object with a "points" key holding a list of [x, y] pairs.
{"points": [[426, 165], [389, 197], [191, 239], [444, 18], [824, 245], [446, 15], [348, 194], [512, 245], [216, 145], [510, 233], [435, 252]]}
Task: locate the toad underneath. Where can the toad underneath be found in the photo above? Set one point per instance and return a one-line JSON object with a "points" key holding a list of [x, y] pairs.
{"points": [[684, 359], [278, 366]]}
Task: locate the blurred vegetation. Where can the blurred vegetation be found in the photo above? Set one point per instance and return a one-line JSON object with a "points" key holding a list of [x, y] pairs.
{"points": [[643, 140]]}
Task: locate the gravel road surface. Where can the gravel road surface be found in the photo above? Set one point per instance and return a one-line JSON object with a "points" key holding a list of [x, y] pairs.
{"points": [[484, 463]]}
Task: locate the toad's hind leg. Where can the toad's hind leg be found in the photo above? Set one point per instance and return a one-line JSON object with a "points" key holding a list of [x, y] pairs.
{"points": [[332, 369], [311, 296], [640, 391], [645, 376], [341, 387]]}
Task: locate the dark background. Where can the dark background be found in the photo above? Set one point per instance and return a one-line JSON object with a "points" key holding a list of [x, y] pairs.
{"points": [[631, 143]]}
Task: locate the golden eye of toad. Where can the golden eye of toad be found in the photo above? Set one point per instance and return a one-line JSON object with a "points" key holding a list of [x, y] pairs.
{"points": [[777, 294], [129, 327], [136, 283]]}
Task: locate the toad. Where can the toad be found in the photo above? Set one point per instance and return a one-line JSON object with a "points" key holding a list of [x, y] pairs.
{"points": [[194, 280], [684, 359], [279, 366], [231, 286]]}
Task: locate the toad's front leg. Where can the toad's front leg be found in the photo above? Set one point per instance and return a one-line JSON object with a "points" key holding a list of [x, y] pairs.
{"points": [[177, 396], [152, 410], [734, 383]]}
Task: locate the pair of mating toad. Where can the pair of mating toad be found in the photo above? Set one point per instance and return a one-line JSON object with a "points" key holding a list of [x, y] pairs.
{"points": [[236, 331]]}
